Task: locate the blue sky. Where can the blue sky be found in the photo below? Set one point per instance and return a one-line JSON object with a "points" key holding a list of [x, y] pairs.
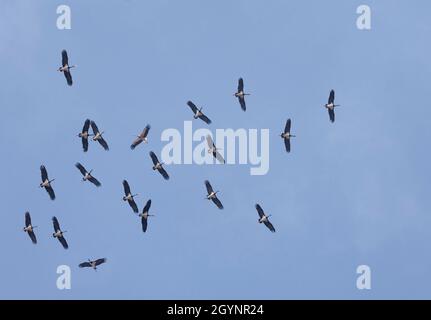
{"points": [[350, 193]]}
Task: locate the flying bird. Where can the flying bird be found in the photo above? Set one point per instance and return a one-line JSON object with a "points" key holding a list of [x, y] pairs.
{"points": [[92, 263], [144, 215], [286, 135], [87, 175], [84, 134], [263, 218], [141, 138], [58, 233], [212, 195], [129, 196], [213, 150], [29, 228], [46, 183], [197, 113], [158, 166], [65, 68], [97, 136], [240, 94], [331, 106]]}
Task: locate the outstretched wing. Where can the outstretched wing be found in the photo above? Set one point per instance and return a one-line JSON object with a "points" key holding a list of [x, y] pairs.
{"points": [[147, 206], [86, 126], [240, 85], [51, 192], [242, 103], [68, 77], [133, 205], [287, 144], [331, 98], [94, 181], [209, 187], [27, 219], [331, 115], [136, 143], [163, 173], [217, 202], [144, 133], [84, 144], [192, 106], [64, 58], [32, 236], [144, 222], [288, 125], [43, 173], [259, 210], [94, 127], [154, 158], [55, 224], [81, 168], [126, 187], [100, 261], [103, 143], [85, 265], [218, 156], [269, 226], [210, 142], [63, 242], [205, 119]]}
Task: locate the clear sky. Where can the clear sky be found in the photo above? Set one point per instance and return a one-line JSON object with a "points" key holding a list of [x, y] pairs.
{"points": [[350, 193]]}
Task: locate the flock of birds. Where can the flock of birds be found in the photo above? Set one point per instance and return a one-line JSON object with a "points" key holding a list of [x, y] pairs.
{"points": [[128, 197]]}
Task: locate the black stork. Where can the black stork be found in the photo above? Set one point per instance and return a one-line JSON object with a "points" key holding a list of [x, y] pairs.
{"points": [[65, 68], [158, 166], [212, 149], [92, 263], [286, 135], [212, 195], [87, 175], [58, 233], [240, 94], [197, 113], [29, 228], [141, 138], [84, 134], [97, 136], [128, 196], [263, 218], [331, 106], [145, 214], [46, 183]]}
